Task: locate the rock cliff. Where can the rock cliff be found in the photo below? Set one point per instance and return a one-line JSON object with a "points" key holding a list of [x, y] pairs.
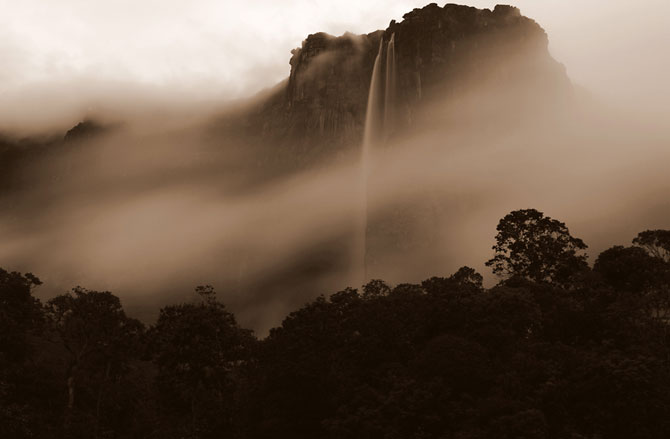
{"points": [[440, 52]]}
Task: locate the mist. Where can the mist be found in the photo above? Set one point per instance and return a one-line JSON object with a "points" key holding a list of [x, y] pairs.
{"points": [[166, 201], [151, 212]]}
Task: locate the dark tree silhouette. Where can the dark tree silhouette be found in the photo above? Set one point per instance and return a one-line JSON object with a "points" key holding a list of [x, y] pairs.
{"points": [[536, 247], [631, 269], [376, 287], [18, 311], [98, 339], [537, 356], [465, 281], [468, 276], [656, 242], [20, 314], [198, 347]]}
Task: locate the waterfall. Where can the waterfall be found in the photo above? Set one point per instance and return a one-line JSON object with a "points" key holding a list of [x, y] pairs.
{"points": [[389, 95], [378, 122]]}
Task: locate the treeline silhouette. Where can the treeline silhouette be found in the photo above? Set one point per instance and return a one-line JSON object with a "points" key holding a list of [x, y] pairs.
{"points": [[556, 350]]}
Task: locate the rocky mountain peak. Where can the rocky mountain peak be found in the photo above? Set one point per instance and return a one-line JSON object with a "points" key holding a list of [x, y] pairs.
{"points": [[440, 52], [85, 129]]}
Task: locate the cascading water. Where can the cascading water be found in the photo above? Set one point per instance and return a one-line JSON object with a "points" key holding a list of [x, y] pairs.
{"points": [[376, 129], [389, 95]]}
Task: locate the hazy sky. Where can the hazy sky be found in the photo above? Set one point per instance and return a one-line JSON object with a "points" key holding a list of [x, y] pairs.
{"points": [[209, 49]]}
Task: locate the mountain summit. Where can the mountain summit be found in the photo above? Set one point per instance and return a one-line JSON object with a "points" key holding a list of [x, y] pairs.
{"points": [[440, 53]]}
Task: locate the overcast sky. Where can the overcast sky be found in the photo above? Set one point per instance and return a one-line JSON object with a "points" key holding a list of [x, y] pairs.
{"points": [[209, 49]]}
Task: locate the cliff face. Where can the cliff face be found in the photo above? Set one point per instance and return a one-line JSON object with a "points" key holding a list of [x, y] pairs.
{"points": [[440, 52], [326, 94], [321, 107]]}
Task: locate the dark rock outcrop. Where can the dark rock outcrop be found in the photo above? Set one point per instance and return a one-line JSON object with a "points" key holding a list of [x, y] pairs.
{"points": [[322, 102], [85, 129], [440, 52]]}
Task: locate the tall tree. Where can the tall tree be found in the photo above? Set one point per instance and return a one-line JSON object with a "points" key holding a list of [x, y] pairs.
{"points": [[199, 349], [97, 337], [631, 269], [18, 312], [536, 247], [656, 242]]}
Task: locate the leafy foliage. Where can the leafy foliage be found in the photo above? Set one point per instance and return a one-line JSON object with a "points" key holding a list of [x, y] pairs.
{"points": [[538, 248], [198, 348], [18, 313], [97, 339], [537, 356], [656, 242]]}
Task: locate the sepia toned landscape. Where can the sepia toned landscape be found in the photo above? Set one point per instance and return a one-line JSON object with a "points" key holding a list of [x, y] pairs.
{"points": [[335, 220]]}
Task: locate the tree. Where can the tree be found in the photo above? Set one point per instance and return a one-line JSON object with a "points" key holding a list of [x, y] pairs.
{"points": [[630, 269], [636, 271], [375, 288], [656, 242], [98, 338], [20, 314], [538, 248], [18, 311], [467, 276], [465, 281], [199, 348]]}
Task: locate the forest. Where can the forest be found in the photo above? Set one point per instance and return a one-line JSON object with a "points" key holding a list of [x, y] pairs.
{"points": [[558, 348]]}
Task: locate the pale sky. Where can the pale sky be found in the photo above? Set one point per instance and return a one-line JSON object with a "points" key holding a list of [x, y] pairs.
{"points": [[208, 49]]}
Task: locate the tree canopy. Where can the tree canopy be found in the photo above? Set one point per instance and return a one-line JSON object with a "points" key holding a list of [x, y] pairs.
{"points": [[536, 247], [656, 242], [536, 356]]}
